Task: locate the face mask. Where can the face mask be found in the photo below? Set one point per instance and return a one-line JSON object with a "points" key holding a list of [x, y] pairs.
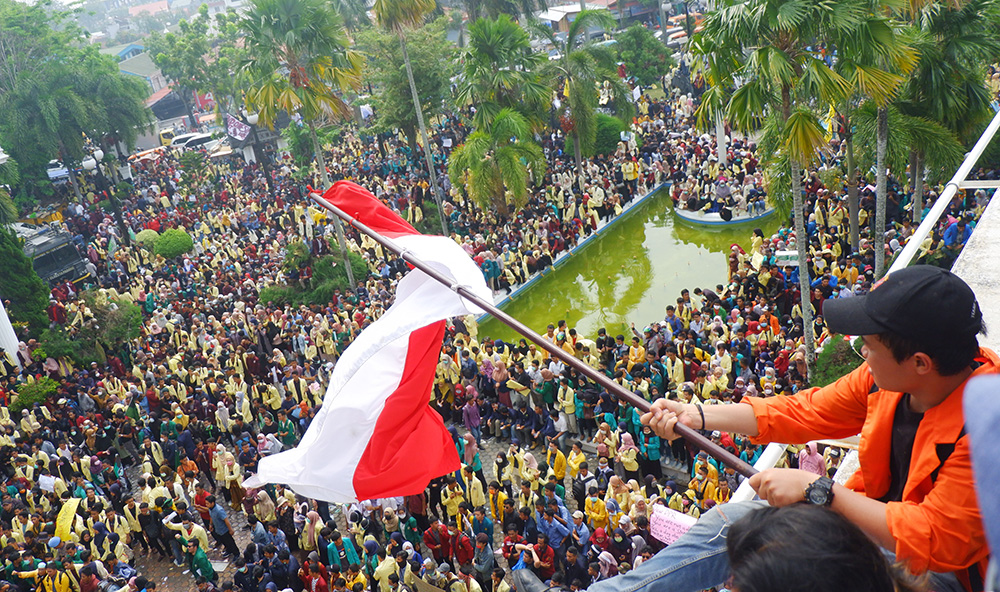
{"points": [[701, 477]]}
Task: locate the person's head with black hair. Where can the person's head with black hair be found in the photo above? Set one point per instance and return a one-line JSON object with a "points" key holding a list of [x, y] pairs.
{"points": [[768, 548], [923, 318]]}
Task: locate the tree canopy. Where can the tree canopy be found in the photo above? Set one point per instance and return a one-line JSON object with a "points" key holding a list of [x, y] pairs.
{"points": [[56, 93], [645, 58], [432, 58]]}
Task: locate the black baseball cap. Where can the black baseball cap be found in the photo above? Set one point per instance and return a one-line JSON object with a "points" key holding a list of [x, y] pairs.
{"points": [[919, 303]]}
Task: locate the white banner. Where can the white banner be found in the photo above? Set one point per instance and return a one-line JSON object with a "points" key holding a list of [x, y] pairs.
{"points": [[237, 128]]}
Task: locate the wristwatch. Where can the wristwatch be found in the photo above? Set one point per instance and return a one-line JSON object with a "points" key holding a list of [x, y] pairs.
{"points": [[820, 492]]}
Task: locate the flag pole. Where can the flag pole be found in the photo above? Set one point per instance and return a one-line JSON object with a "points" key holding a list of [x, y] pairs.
{"points": [[692, 436]]}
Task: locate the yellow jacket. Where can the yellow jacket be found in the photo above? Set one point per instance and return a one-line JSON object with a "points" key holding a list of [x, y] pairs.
{"points": [[557, 462], [451, 498], [597, 512]]}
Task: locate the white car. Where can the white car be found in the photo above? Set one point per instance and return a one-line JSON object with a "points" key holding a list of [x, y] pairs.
{"points": [[199, 141], [181, 139], [57, 172]]}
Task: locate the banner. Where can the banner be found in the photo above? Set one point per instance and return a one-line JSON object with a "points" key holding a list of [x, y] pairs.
{"points": [[66, 517], [236, 128]]}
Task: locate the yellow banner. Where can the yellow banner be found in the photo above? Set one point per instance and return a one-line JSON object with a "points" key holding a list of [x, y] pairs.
{"points": [[64, 522]]}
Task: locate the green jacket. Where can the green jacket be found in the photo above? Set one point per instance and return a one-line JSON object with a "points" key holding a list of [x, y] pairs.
{"points": [[199, 563]]}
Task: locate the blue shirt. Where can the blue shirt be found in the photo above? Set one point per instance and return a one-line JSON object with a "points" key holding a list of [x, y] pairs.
{"points": [[277, 538], [554, 530], [583, 533], [952, 236], [218, 516]]}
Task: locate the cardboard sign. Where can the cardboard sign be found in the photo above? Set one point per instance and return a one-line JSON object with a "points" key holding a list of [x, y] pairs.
{"points": [[783, 258], [47, 483], [668, 525]]}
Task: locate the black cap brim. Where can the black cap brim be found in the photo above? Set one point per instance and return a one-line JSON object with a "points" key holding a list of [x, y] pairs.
{"points": [[848, 316]]}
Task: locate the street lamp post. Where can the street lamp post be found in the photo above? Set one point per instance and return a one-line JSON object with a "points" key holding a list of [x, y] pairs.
{"points": [[93, 163], [252, 119]]}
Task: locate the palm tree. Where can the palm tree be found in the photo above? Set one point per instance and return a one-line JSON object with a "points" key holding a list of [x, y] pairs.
{"points": [[948, 85], [875, 57], [767, 47], [396, 16], [121, 110], [501, 71], [496, 163], [580, 67], [354, 13], [51, 107], [715, 67], [298, 62], [494, 8]]}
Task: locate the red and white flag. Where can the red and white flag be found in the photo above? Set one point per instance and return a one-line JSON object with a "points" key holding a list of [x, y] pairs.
{"points": [[376, 434]]}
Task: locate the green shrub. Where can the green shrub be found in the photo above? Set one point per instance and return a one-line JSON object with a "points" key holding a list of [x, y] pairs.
{"points": [[277, 294], [431, 223], [296, 255], [836, 360], [122, 322], [173, 243], [328, 275], [609, 131], [57, 344], [29, 394], [147, 238], [331, 269]]}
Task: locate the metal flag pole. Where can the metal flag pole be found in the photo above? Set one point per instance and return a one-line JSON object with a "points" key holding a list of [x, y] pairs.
{"points": [[692, 436]]}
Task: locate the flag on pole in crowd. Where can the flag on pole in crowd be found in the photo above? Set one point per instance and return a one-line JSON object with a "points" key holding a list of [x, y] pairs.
{"points": [[376, 434]]}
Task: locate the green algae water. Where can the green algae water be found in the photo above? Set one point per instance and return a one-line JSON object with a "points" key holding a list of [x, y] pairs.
{"points": [[629, 273]]}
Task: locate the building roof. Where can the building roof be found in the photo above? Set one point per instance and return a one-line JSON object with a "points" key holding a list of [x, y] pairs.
{"points": [[122, 50], [141, 65], [155, 97], [558, 13], [150, 8]]}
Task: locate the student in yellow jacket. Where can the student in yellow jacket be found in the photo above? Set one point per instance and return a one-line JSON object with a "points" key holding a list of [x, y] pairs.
{"points": [[595, 509], [50, 578], [556, 461], [496, 498], [575, 459]]}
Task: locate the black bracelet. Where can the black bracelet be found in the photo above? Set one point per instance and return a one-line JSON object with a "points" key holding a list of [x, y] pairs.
{"points": [[701, 412]]}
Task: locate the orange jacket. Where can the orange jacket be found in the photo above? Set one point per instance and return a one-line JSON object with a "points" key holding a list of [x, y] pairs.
{"points": [[937, 525]]}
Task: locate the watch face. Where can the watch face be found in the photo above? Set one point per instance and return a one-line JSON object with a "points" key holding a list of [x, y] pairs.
{"points": [[817, 496]]}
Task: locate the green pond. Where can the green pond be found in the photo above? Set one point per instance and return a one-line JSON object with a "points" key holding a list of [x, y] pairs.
{"points": [[630, 273]]}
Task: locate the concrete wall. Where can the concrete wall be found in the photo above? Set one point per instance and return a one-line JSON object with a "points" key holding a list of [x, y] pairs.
{"points": [[977, 266]]}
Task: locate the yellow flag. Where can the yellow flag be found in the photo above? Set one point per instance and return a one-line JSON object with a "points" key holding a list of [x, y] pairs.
{"points": [[64, 522]]}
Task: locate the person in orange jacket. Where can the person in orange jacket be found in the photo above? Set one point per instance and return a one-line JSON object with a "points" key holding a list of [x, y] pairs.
{"points": [[913, 493]]}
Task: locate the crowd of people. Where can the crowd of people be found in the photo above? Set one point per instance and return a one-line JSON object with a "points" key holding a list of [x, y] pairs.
{"points": [[149, 450]]}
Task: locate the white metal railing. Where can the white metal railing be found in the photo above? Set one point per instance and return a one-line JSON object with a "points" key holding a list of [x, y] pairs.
{"points": [[772, 454], [939, 207]]}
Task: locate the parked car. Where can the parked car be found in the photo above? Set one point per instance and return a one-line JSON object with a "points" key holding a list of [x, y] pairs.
{"points": [[181, 139], [58, 174], [197, 142]]}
